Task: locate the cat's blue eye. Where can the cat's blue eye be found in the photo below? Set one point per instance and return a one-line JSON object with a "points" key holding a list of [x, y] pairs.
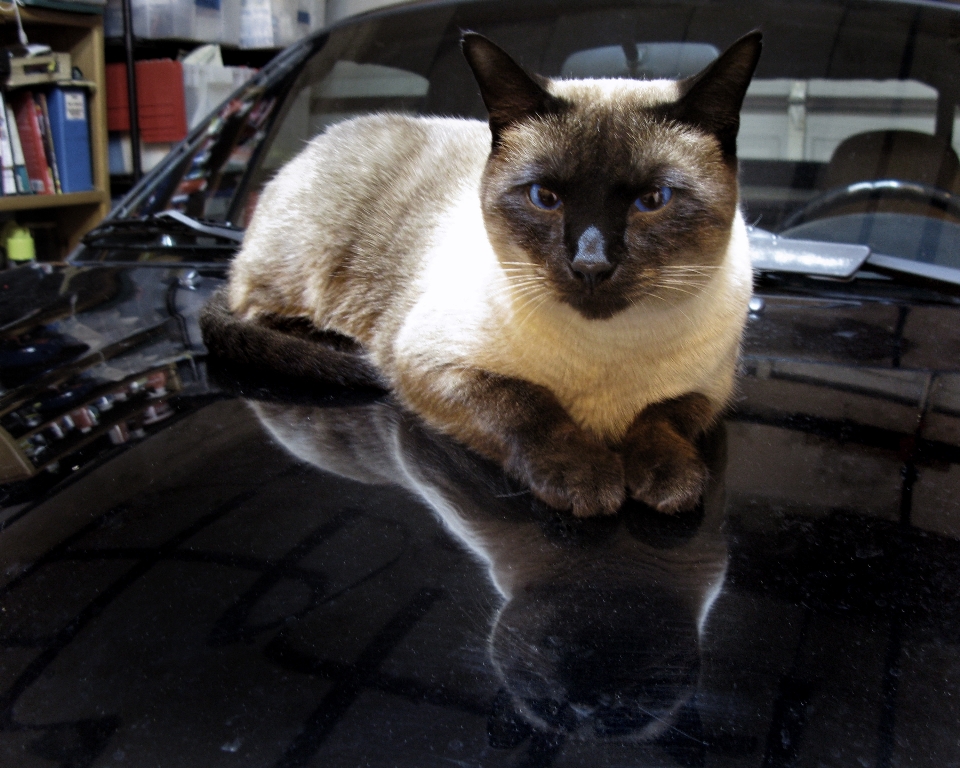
{"points": [[544, 198], [653, 200]]}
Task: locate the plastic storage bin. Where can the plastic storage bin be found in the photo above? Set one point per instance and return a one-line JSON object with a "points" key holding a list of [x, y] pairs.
{"points": [[217, 21], [211, 21], [278, 23], [163, 18]]}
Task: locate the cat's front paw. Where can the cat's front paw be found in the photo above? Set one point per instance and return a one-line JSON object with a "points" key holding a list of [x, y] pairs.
{"points": [[575, 475], [669, 476]]}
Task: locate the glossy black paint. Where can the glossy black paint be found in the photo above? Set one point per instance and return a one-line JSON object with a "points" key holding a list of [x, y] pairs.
{"points": [[181, 590], [202, 566]]}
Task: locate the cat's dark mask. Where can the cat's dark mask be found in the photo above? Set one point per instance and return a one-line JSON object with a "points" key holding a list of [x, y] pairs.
{"points": [[613, 198]]}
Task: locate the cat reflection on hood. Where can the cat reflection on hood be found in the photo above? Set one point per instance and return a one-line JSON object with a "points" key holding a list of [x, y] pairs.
{"points": [[599, 631]]}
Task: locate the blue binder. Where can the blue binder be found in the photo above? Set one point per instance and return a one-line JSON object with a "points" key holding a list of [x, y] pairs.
{"points": [[70, 129]]}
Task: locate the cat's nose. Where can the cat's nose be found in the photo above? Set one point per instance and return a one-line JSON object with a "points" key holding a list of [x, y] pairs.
{"points": [[592, 271], [591, 262]]}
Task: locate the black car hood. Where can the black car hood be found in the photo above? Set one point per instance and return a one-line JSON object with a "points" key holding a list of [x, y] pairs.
{"points": [[199, 567]]}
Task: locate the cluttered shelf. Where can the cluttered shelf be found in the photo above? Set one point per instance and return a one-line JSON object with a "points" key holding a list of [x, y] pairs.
{"points": [[53, 141], [30, 202], [211, 48]]}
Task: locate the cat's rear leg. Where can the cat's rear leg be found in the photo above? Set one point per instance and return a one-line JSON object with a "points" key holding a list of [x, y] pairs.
{"points": [[662, 462], [286, 345], [523, 427]]}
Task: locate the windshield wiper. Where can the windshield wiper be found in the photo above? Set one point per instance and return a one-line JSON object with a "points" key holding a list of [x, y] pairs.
{"points": [[165, 230], [842, 261], [771, 253], [917, 272]]}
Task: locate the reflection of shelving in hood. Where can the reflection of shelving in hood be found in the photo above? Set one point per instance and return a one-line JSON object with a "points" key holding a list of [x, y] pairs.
{"points": [[599, 631]]}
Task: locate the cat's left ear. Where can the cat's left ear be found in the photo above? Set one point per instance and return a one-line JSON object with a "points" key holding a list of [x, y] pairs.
{"points": [[509, 93], [711, 99]]}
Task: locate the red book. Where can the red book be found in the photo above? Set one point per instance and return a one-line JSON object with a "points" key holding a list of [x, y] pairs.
{"points": [[31, 139], [43, 117]]}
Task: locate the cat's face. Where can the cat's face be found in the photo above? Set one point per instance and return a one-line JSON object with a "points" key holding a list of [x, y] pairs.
{"points": [[612, 192]]}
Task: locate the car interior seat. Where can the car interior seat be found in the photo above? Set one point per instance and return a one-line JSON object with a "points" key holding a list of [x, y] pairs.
{"points": [[893, 154]]}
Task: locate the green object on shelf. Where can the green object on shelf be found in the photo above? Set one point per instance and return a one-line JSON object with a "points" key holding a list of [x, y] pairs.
{"points": [[19, 244]]}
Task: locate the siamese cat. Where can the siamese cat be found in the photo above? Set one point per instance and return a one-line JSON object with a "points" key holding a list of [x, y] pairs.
{"points": [[598, 634], [563, 289]]}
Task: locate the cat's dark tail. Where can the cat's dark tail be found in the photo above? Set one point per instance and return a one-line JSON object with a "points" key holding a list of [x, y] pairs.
{"points": [[285, 346]]}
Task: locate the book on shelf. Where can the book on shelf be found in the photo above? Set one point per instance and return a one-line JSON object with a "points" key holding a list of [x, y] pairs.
{"points": [[8, 183], [48, 137], [20, 175], [70, 132], [35, 156], [43, 116]]}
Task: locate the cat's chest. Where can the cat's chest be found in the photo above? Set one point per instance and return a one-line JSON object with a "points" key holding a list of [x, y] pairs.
{"points": [[602, 373]]}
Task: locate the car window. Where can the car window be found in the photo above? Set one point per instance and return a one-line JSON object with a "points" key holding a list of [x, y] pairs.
{"points": [[348, 90], [850, 130], [806, 120]]}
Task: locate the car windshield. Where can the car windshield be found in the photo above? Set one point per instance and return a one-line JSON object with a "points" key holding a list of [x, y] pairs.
{"points": [[849, 130]]}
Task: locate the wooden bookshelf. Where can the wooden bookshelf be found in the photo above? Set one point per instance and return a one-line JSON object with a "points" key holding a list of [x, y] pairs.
{"points": [[80, 35]]}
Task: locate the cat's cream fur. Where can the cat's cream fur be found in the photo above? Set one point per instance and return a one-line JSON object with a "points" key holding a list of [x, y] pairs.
{"points": [[452, 302], [398, 232]]}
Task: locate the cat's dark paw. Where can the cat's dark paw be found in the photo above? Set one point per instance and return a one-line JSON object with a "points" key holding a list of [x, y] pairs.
{"points": [[575, 475], [661, 459], [669, 476]]}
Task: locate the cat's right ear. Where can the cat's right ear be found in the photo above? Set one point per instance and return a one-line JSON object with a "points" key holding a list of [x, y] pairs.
{"points": [[712, 99], [509, 93]]}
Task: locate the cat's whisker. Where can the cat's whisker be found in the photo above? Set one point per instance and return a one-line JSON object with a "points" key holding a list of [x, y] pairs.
{"points": [[691, 276], [696, 280], [521, 278], [686, 274], [517, 292], [689, 280], [651, 294], [521, 303], [534, 302], [524, 279], [533, 310], [514, 271], [678, 289], [647, 295], [528, 297], [686, 288], [520, 285]]}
